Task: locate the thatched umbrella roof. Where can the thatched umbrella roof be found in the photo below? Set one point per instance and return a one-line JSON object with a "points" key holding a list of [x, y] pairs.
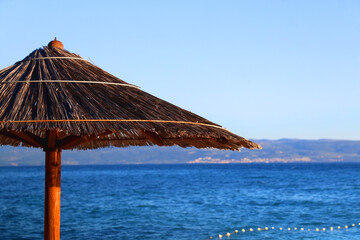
{"points": [[53, 89], [55, 100]]}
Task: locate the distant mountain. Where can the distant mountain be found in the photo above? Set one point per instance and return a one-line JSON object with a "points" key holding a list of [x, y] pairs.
{"points": [[283, 150]]}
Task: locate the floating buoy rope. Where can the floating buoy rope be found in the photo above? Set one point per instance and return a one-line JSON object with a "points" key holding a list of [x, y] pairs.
{"points": [[241, 231]]}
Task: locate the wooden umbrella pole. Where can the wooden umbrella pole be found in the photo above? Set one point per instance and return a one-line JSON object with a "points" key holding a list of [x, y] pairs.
{"points": [[52, 194]]}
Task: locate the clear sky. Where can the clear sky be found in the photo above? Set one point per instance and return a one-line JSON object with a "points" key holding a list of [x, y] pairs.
{"points": [[262, 69]]}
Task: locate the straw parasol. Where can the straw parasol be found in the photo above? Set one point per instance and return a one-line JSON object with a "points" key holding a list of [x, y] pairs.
{"points": [[54, 99]]}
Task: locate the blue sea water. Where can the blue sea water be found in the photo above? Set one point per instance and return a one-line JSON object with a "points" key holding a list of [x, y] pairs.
{"points": [[186, 201]]}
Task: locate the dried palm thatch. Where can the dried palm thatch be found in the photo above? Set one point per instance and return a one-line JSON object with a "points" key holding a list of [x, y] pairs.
{"points": [[55, 90]]}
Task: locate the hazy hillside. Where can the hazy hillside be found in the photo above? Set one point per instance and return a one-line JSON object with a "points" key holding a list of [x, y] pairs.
{"points": [[284, 150]]}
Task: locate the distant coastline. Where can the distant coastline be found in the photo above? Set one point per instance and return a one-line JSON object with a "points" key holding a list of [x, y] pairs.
{"points": [[274, 151]]}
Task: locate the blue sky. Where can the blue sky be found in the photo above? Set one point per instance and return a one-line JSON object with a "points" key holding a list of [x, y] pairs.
{"points": [[262, 69]]}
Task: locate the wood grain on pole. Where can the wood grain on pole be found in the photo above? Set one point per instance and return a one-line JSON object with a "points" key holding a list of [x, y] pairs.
{"points": [[52, 195]]}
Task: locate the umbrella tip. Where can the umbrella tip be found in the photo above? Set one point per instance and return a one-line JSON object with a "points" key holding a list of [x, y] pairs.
{"points": [[55, 43]]}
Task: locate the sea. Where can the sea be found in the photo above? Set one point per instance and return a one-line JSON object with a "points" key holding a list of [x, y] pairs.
{"points": [[193, 201]]}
